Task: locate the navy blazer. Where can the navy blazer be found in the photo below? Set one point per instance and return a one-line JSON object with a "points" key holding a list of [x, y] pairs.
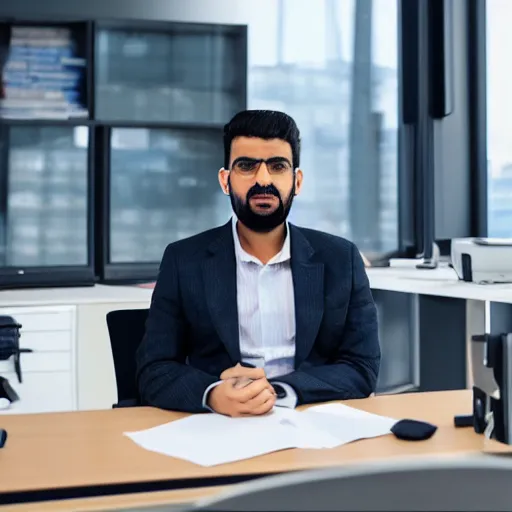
{"points": [[192, 328]]}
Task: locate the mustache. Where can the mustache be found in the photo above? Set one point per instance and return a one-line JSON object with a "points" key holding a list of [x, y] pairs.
{"points": [[267, 190]]}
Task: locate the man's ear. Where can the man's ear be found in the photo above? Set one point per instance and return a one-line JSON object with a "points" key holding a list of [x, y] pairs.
{"points": [[224, 180], [298, 181]]}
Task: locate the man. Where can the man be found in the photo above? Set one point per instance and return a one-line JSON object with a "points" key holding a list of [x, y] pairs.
{"points": [[259, 312]]}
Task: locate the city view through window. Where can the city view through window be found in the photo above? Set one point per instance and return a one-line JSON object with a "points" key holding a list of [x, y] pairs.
{"points": [[332, 65], [499, 118]]}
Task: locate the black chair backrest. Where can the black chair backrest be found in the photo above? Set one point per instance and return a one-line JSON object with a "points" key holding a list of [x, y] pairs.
{"points": [[126, 329]]}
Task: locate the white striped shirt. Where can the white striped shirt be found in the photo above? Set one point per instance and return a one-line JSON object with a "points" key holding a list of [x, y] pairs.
{"points": [[266, 309], [266, 314]]}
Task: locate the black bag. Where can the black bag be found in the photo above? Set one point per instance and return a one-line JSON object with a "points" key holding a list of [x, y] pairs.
{"points": [[10, 343]]}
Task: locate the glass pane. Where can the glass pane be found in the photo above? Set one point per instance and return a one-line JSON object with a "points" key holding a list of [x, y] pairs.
{"points": [[499, 118], [45, 72], [398, 339], [45, 197], [164, 188], [161, 77], [333, 66]]}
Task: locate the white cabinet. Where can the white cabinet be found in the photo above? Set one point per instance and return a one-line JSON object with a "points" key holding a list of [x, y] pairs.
{"points": [[49, 371], [71, 366], [42, 392]]}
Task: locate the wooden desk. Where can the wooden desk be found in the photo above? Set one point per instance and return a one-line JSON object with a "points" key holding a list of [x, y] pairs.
{"points": [[82, 454]]}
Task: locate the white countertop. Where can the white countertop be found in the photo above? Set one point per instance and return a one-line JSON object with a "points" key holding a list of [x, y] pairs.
{"points": [[442, 282], [84, 295]]}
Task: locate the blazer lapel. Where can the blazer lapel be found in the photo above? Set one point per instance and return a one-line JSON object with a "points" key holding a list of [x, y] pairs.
{"points": [[219, 277], [308, 284]]}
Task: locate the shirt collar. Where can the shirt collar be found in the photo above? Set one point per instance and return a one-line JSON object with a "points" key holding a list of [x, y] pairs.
{"points": [[283, 255]]}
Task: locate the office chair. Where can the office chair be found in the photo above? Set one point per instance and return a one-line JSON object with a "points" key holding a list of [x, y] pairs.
{"points": [[467, 484], [126, 329]]}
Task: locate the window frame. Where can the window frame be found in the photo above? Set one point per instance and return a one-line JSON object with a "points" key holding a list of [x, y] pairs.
{"points": [[20, 276], [477, 88], [500, 314]]}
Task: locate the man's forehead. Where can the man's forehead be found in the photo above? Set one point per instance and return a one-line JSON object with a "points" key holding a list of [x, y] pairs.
{"points": [[254, 147]]}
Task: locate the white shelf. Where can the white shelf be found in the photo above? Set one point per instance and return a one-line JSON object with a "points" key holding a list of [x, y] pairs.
{"points": [[442, 282], [99, 294]]}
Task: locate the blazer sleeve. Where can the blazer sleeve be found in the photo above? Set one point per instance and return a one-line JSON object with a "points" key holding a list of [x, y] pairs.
{"points": [[163, 377], [354, 370]]}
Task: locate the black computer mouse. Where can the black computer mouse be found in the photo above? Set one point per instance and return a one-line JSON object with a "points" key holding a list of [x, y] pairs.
{"points": [[413, 430]]}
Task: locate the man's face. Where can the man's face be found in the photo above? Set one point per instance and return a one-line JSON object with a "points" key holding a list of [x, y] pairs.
{"points": [[261, 182]]}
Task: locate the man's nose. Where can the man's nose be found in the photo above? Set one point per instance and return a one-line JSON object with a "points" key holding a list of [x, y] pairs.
{"points": [[263, 176]]}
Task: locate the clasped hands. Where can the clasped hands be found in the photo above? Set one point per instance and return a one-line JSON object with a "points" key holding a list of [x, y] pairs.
{"points": [[243, 392]]}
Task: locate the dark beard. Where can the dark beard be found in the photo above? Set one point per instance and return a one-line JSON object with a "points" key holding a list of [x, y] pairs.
{"points": [[261, 223]]}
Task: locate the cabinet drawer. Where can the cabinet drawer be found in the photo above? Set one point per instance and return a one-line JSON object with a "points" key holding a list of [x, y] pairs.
{"points": [[42, 319], [51, 321], [41, 341], [42, 392], [38, 362]]}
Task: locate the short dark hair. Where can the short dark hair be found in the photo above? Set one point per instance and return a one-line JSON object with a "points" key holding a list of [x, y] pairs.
{"points": [[263, 124]]}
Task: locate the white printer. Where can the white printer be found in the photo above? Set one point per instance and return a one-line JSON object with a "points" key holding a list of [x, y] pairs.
{"points": [[482, 260]]}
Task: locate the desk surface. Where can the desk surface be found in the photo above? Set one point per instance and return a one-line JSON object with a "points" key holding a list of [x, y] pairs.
{"points": [[442, 282], [98, 294], [77, 454]]}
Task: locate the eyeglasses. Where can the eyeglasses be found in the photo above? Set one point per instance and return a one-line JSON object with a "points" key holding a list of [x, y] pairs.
{"points": [[248, 167]]}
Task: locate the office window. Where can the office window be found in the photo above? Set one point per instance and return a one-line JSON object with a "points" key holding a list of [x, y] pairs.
{"points": [[499, 117], [333, 66], [172, 75], [163, 188], [43, 196]]}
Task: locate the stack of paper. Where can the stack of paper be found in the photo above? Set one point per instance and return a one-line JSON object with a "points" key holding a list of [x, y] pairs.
{"points": [[210, 439]]}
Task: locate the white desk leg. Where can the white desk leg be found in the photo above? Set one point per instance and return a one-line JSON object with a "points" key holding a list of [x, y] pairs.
{"points": [[476, 315]]}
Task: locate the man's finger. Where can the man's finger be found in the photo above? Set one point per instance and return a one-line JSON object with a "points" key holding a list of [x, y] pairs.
{"points": [[250, 391], [230, 373], [241, 382], [241, 371], [255, 403], [263, 408]]}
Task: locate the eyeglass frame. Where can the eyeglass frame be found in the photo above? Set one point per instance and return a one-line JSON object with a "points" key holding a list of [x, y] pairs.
{"points": [[257, 163]]}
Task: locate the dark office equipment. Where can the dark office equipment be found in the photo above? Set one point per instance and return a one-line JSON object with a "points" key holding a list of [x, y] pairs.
{"points": [[463, 420], [126, 329], [491, 361], [492, 367], [3, 437], [413, 430], [10, 343], [7, 391]]}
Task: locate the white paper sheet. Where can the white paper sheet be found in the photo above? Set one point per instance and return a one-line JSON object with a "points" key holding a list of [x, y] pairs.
{"points": [[347, 424], [211, 439]]}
